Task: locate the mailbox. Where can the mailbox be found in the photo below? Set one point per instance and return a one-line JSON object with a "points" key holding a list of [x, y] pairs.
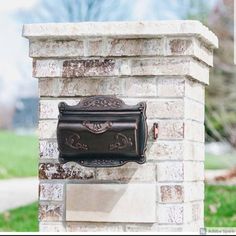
{"points": [[102, 131]]}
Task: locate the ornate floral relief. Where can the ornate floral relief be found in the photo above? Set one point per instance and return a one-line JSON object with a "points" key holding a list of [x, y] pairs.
{"points": [[122, 142], [73, 142], [97, 127]]}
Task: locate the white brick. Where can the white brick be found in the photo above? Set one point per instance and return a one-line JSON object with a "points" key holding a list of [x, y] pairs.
{"points": [[193, 191], [51, 227], [195, 91], [170, 87], [194, 151], [47, 129], [193, 171], [170, 171], [164, 150], [194, 131], [194, 110], [51, 192], [170, 214], [48, 149], [141, 228]]}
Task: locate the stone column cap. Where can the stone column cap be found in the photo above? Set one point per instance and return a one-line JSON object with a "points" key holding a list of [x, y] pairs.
{"points": [[129, 29]]}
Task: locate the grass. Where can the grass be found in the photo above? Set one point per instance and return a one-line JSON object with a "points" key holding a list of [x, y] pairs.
{"points": [[220, 206], [213, 162], [18, 155], [23, 219]]}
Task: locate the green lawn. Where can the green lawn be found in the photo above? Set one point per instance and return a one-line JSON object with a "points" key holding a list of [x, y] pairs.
{"points": [[23, 219], [220, 162], [220, 206], [18, 155]]}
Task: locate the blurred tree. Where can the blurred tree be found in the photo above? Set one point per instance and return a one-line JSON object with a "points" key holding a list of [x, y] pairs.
{"points": [[77, 10]]}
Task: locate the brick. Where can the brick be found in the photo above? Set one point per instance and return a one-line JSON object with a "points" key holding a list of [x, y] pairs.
{"points": [[165, 150], [191, 47], [48, 87], [51, 227], [140, 87], [66, 171], [130, 172], [48, 150], [56, 48], [193, 191], [93, 227], [194, 110], [194, 131], [170, 87], [129, 203], [167, 130], [51, 192], [47, 129], [170, 214], [133, 47], [193, 171], [95, 47], [194, 212], [194, 151], [50, 212], [195, 91], [170, 171], [159, 108], [171, 193]]}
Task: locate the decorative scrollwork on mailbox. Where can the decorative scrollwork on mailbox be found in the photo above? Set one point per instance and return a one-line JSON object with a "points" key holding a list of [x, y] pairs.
{"points": [[122, 142], [97, 127]]}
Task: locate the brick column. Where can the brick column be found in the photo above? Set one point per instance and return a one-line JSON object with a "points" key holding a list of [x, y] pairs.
{"points": [[163, 63]]}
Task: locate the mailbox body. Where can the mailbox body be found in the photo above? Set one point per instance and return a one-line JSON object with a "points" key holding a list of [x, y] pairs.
{"points": [[102, 131]]}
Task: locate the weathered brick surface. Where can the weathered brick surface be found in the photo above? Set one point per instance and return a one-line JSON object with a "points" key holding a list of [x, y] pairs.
{"points": [[130, 172], [57, 48], [195, 91], [66, 171], [134, 47], [51, 192], [50, 212], [171, 193], [48, 149], [194, 110], [47, 129], [194, 131]]}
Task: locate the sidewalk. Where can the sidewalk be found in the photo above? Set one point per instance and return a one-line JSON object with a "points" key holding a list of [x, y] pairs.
{"points": [[17, 192]]}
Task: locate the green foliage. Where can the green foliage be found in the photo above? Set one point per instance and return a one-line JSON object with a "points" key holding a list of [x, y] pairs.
{"points": [[23, 219], [18, 155], [220, 206], [213, 162]]}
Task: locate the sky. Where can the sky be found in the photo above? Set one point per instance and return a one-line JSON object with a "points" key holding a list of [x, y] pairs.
{"points": [[15, 73]]}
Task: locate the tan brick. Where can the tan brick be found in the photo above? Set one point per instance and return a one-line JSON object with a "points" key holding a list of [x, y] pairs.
{"points": [[93, 227], [56, 48], [95, 47], [170, 171], [133, 47], [48, 149], [66, 171], [51, 192], [50, 212], [170, 87], [130, 172], [171, 193], [161, 150]]}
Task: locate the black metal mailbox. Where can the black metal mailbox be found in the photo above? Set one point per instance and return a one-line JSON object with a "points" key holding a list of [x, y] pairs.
{"points": [[102, 131]]}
